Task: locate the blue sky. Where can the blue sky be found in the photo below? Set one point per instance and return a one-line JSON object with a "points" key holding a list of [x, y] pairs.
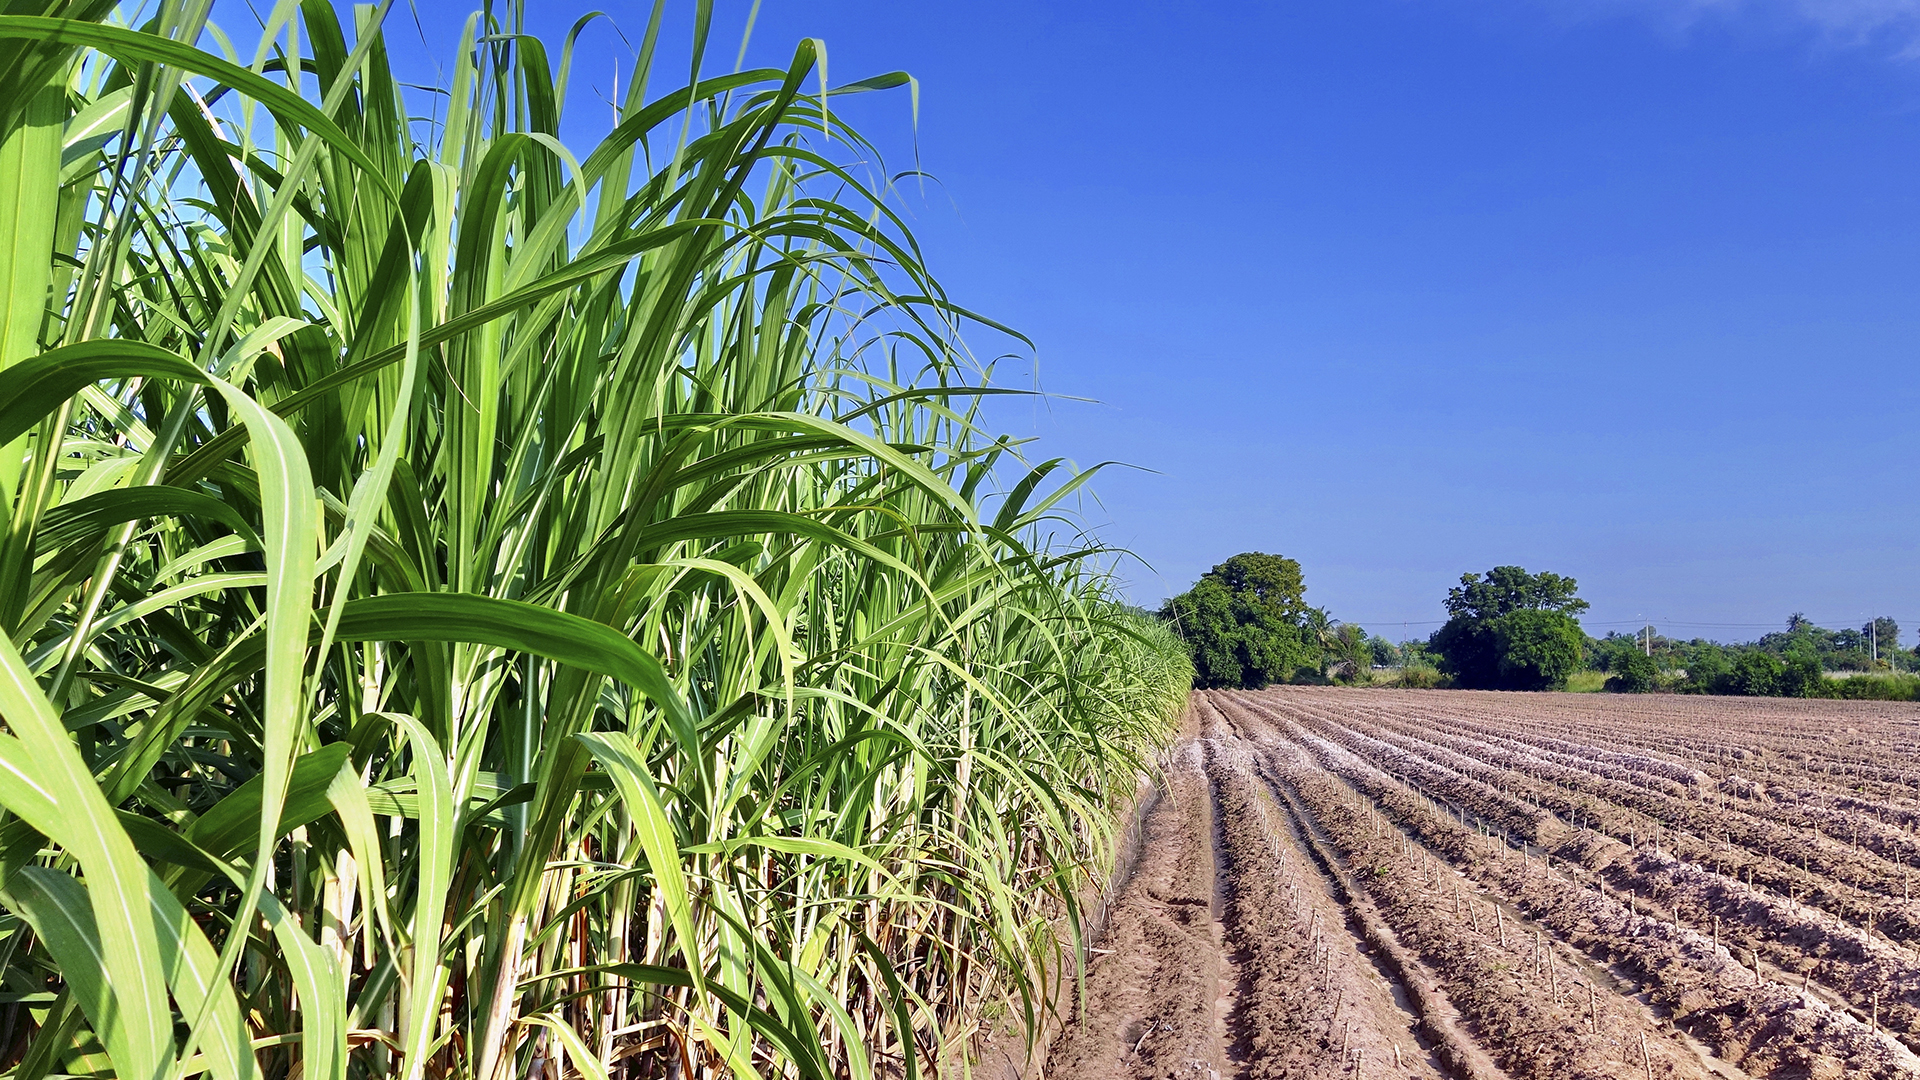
{"points": [[1403, 289]]}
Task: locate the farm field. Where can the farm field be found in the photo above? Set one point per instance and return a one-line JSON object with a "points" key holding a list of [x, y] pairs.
{"points": [[1377, 883]]}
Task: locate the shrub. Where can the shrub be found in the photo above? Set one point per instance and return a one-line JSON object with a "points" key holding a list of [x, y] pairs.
{"points": [[1898, 686], [1708, 671], [1800, 676], [1418, 678], [1754, 674], [1634, 672]]}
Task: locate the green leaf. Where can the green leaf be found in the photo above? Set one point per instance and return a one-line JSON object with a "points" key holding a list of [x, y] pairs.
{"points": [[581, 1058], [322, 993], [36, 387], [230, 824], [439, 832], [131, 45], [57, 907], [617, 754], [521, 627], [91, 517], [118, 881]]}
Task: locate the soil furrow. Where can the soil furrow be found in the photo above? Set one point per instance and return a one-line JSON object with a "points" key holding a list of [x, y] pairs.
{"points": [[1150, 1007], [1877, 979], [1356, 883], [1316, 996]]}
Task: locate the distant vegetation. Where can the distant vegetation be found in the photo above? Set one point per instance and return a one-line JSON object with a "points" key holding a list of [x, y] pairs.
{"points": [[1803, 660], [1511, 630], [1246, 624]]}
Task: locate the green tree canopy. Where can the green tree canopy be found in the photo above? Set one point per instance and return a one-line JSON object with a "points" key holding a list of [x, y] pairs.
{"points": [[1634, 672], [1511, 630], [1247, 623], [1756, 674], [1505, 589]]}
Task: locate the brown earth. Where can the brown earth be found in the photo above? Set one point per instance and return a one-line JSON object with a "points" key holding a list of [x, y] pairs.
{"points": [[1329, 886]]}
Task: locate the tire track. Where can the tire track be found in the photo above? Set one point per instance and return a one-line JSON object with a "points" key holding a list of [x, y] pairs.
{"points": [[1152, 997]]}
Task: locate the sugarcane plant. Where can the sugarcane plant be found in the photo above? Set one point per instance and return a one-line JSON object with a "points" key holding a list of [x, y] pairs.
{"points": [[477, 610]]}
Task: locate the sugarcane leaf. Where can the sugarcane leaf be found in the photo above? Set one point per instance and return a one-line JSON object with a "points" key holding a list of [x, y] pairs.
{"points": [[228, 825], [59, 911], [92, 516], [617, 755], [583, 1059], [118, 880], [37, 386], [322, 993], [126, 44], [348, 797], [522, 627], [29, 208], [439, 832]]}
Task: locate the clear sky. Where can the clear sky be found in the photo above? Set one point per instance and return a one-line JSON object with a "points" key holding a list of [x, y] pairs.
{"points": [[1403, 289]]}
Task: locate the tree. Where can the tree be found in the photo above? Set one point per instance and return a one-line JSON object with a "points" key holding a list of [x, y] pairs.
{"points": [[1538, 649], [1348, 653], [1511, 630], [1204, 616], [1610, 653], [1708, 668], [1802, 677], [1634, 672], [1384, 652], [1510, 588], [1270, 582], [1885, 634], [1756, 674], [1247, 623]]}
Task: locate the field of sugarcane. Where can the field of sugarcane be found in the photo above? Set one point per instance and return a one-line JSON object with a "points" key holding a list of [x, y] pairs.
{"points": [[481, 607]]}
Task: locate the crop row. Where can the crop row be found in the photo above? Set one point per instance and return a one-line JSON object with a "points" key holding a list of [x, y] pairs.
{"points": [[1841, 879], [1859, 967], [1766, 1026], [1873, 859], [1864, 744]]}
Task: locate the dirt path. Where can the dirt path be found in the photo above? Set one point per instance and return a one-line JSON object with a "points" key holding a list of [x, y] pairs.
{"points": [[1296, 912], [1230, 952], [1155, 989]]}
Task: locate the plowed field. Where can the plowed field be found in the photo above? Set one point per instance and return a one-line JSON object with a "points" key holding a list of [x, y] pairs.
{"points": [[1365, 883]]}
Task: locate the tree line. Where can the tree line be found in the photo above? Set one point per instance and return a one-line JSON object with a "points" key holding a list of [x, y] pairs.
{"points": [[1247, 624], [1802, 660]]}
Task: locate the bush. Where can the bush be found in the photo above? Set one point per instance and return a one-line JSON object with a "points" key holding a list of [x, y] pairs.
{"points": [[1419, 678], [1899, 686], [1801, 676], [1588, 681], [1634, 672], [1754, 674], [1708, 671]]}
